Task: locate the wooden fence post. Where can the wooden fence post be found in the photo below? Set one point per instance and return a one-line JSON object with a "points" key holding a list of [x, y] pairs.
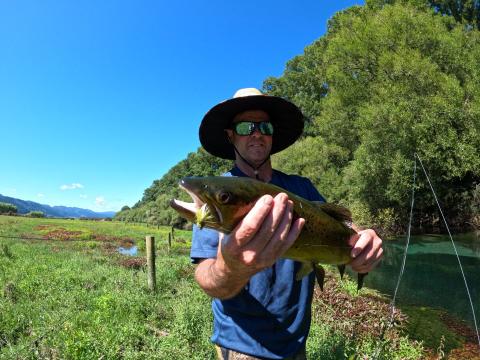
{"points": [[150, 247]]}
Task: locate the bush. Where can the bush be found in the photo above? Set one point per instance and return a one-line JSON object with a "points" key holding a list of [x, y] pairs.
{"points": [[6, 208], [36, 214]]}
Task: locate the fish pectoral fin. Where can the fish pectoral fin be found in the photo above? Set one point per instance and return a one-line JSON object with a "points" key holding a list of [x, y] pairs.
{"points": [[337, 212], [341, 268], [319, 274], [360, 278], [305, 269]]}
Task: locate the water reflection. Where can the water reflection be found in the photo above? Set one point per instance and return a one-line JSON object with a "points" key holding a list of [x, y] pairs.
{"points": [[432, 275], [131, 251]]}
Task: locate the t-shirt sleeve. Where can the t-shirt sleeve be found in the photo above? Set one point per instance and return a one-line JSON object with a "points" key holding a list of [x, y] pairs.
{"points": [[204, 244]]}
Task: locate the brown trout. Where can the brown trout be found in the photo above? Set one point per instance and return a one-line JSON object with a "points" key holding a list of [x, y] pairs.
{"points": [[221, 202]]}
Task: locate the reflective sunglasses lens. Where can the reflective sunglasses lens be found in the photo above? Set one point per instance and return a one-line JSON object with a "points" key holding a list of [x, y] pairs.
{"points": [[244, 128], [248, 127], [266, 128]]}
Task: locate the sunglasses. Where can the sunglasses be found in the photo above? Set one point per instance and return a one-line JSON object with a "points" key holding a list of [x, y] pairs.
{"points": [[245, 128]]}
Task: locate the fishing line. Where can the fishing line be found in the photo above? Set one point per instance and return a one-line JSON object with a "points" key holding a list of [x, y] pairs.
{"points": [[402, 268], [455, 249]]}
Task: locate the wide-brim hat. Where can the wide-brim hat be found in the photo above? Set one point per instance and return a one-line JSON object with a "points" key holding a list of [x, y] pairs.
{"points": [[287, 120]]}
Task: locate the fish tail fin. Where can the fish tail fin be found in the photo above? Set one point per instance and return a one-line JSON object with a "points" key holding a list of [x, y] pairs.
{"points": [[319, 274], [360, 280], [341, 268]]}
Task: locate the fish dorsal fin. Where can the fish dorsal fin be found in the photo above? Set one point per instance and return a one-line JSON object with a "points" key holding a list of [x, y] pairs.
{"points": [[337, 212]]}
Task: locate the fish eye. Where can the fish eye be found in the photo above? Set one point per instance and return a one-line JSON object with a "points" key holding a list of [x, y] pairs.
{"points": [[223, 197]]}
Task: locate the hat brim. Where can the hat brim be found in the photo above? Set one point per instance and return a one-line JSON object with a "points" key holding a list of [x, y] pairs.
{"points": [[286, 118]]}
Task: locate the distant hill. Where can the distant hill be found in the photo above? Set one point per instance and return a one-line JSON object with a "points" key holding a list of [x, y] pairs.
{"points": [[24, 207]]}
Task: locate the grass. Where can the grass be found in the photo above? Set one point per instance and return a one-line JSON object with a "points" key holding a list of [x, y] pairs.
{"points": [[87, 230], [72, 296], [71, 300]]}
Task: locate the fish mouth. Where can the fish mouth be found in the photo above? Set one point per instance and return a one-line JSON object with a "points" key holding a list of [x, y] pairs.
{"points": [[202, 211]]}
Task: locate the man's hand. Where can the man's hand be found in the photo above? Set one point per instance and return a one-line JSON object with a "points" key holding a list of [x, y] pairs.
{"points": [[367, 251], [263, 235]]}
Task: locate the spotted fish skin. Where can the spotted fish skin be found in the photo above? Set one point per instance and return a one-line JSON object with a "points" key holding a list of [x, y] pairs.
{"points": [[221, 202]]}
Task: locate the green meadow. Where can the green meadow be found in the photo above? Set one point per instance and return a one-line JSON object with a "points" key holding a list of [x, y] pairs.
{"points": [[66, 293]]}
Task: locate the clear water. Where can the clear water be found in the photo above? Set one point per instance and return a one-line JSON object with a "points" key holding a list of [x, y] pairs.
{"points": [[130, 251], [432, 275]]}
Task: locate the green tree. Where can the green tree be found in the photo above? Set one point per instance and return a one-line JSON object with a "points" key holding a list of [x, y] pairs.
{"points": [[36, 214], [467, 11], [385, 82], [6, 208]]}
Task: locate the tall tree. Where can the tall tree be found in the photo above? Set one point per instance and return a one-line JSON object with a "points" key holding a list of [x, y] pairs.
{"points": [[464, 11], [385, 82]]}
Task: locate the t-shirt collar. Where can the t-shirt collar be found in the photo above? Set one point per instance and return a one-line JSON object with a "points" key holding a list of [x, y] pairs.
{"points": [[237, 172]]}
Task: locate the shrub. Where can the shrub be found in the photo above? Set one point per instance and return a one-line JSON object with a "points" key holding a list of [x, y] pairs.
{"points": [[36, 214], [6, 208]]}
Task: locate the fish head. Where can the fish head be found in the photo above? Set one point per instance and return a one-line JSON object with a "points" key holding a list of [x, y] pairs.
{"points": [[219, 202]]}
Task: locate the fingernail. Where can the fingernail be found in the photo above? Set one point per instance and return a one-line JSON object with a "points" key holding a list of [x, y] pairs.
{"points": [[355, 252], [267, 200]]}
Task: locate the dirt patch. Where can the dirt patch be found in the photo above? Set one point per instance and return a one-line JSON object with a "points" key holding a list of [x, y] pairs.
{"points": [[109, 238], [109, 248], [459, 327], [364, 315], [468, 351], [133, 263], [61, 234]]}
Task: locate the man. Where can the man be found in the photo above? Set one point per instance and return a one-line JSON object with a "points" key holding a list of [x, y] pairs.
{"points": [[260, 310]]}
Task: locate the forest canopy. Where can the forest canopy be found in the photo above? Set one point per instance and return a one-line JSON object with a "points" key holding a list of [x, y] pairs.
{"points": [[387, 80]]}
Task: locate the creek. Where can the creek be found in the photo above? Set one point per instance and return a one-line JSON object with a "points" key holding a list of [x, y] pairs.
{"points": [[432, 275]]}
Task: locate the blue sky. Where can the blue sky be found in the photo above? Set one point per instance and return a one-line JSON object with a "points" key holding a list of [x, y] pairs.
{"points": [[100, 98]]}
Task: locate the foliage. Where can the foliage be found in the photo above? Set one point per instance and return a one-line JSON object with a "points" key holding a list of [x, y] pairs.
{"points": [[383, 83], [466, 11], [426, 324], [347, 324], [6, 208], [36, 214]]}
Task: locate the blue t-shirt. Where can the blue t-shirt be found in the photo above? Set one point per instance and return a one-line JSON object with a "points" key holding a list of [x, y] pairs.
{"points": [[270, 317]]}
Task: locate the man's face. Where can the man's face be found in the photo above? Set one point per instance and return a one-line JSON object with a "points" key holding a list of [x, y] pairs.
{"points": [[255, 148]]}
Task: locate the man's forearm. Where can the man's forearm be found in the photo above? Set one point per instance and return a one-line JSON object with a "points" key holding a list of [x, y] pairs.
{"points": [[217, 281]]}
